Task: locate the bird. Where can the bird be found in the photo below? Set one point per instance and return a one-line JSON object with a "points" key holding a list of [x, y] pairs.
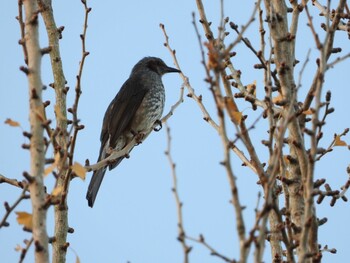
{"points": [[135, 110]]}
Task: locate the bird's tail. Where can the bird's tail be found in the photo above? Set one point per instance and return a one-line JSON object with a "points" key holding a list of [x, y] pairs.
{"points": [[94, 185]]}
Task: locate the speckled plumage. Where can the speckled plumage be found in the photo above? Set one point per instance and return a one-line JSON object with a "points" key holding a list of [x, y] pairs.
{"points": [[135, 109]]}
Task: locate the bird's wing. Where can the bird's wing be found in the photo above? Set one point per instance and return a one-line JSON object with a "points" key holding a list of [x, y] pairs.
{"points": [[121, 111]]}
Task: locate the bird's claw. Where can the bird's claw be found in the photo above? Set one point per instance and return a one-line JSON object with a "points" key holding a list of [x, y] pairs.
{"points": [[157, 125], [139, 137], [109, 150]]}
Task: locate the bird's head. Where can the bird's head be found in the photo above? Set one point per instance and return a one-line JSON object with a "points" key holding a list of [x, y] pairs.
{"points": [[154, 64]]}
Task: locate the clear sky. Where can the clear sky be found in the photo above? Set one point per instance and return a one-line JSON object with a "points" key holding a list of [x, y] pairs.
{"points": [[134, 218]]}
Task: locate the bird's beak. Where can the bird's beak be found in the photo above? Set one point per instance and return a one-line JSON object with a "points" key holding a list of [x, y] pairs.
{"points": [[169, 70]]}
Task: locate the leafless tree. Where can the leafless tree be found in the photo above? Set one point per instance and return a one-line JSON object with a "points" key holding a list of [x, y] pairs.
{"points": [[44, 133], [286, 220], [287, 216]]}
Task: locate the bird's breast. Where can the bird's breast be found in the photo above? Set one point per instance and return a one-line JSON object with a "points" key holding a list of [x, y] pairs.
{"points": [[150, 110]]}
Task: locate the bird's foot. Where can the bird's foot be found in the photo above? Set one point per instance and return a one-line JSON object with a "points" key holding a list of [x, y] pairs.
{"points": [[157, 126], [109, 150], [139, 137]]}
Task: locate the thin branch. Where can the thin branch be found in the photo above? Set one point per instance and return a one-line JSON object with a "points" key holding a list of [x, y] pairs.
{"points": [[174, 106], [235, 200], [203, 19], [22, 41], [331, 145], [76, 126], [14, 182], [344, 189], [337, 60], [312, 28], [244, 28], [334, 194], [25, 250], [181, 231], [187, 84], [301, 72], [200, 44], [9, 209], [240, 154], [213, 251], [326, 12]]}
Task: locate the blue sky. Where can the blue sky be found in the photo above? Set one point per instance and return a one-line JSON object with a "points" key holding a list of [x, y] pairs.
{"points": [[134, 217]]}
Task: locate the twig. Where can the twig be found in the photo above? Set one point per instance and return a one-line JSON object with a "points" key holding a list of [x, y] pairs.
{"points": [[14, 182], [325, 11], [312, 28], [330, 250], [331, 145], [25, 250], [203, 19], [336, 61], [187, 84], [181, 231], [326, 49], [76, 127], [22, 41], [244, 28], [344, 189], [201, 47], [301, 72], [9, 209], [240, 153], [173, 107], [235, 201], [213, 251], [334, 194]]}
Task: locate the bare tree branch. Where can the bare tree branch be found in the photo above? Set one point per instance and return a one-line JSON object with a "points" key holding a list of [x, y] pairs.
{"points": [[191, 91], [74, 110], [14, 182], [22, 41], [10, 209], [25, 250], [36, 118], [173, 107], [61, 210], [181, 231], [213, 251]]}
